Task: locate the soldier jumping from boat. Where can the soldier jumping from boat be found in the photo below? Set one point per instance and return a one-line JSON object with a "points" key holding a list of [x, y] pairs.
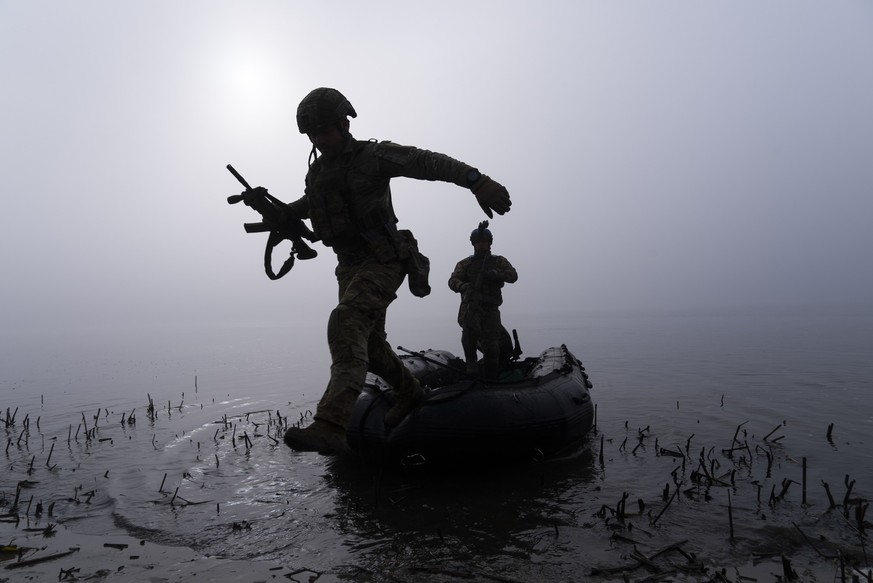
{"points": [[348, 201]]}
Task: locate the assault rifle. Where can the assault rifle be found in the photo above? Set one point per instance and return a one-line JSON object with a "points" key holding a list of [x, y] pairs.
{"points": [[278, 222]]}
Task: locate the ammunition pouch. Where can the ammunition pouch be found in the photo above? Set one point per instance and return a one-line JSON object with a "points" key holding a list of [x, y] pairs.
{"points": [[416, 263]]}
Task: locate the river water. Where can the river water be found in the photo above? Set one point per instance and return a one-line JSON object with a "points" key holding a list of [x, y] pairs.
{"points": [[788, 390]]}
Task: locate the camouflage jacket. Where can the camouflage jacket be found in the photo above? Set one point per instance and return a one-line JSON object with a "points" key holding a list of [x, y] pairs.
{"points": [[484, 291], [348, 197]]}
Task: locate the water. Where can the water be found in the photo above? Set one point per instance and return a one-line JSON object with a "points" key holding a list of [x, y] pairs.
{"points": [[208, 470]]}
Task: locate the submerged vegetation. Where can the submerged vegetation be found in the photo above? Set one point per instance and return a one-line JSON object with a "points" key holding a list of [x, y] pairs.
{"points": [[637, 503]]}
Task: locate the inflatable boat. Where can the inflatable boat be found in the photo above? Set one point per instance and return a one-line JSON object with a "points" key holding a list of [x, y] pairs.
{"points": [[538, 408]]}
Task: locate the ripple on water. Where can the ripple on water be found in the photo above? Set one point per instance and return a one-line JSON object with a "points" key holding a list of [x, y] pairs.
{"points": [[191, 477]]}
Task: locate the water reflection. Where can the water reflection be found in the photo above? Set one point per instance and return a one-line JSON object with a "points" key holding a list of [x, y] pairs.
{"points": [[457, 522], [187, 477], [209, 471]]}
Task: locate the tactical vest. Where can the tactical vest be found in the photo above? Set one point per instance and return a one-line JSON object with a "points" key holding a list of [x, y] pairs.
{"points": [[487, 292], [350, 204]]}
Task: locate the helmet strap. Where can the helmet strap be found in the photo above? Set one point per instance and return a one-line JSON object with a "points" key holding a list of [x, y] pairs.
{"points": [[344, 128]]}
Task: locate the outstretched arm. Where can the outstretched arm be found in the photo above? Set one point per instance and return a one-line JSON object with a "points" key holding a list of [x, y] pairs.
{"points": [[421, 164]]}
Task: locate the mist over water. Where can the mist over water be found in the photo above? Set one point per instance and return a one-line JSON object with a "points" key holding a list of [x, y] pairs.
{"points": [[685, 382], [669, 164]]}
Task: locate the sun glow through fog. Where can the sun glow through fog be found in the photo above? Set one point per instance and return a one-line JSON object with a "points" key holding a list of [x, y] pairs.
{"points": [[250, 85]]}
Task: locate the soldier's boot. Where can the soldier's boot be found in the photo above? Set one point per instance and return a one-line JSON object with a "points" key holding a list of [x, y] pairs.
{"points": [[322, 436], [327, 434], [404, 405], [409, 396], [472, 358]]}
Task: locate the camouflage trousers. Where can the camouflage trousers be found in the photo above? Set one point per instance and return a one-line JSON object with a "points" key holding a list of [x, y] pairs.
{"points": [[481, 328], [357, 339]]}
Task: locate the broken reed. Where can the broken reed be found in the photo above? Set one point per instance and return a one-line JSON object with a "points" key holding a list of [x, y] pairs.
{"points": [[89, 426], [704, 477]]}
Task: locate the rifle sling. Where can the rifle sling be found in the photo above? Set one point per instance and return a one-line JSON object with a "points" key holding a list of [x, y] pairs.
{"points": [[274, 239]]}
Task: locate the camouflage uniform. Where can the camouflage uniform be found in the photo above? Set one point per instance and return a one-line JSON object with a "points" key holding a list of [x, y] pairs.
{"points": [[479, 314], [348, 200]]}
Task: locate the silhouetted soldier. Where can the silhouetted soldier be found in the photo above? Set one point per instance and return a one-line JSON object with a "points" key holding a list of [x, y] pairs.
{"points": [[348, 200], [479, 279]]}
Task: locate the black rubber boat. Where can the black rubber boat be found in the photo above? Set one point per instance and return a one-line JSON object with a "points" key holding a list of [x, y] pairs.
{"points": [[540, 408]]}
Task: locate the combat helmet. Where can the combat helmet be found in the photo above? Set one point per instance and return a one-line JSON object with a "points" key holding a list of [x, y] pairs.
{"points": [[481, 233], [321, 108]]}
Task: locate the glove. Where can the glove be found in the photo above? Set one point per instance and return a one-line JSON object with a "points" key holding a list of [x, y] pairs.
{"points": [[491, 195], [255, 193], [492, 274]]}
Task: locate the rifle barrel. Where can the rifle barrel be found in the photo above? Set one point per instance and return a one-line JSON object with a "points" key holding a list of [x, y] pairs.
{"points": [[238, 177]]}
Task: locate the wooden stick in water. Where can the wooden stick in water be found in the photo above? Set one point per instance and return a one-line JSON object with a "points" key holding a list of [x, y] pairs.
{"points": [[803, 496], [667, 505], [730, 515], [601, 450], [772, 432], [828, 490], [736, 433]]}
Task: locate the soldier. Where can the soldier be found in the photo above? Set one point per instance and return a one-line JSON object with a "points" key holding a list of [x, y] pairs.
{"points": [[348, 200], [479, 279]]}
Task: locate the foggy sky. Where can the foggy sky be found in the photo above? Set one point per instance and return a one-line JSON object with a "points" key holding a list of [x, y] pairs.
{"points": [[660, 155]]}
